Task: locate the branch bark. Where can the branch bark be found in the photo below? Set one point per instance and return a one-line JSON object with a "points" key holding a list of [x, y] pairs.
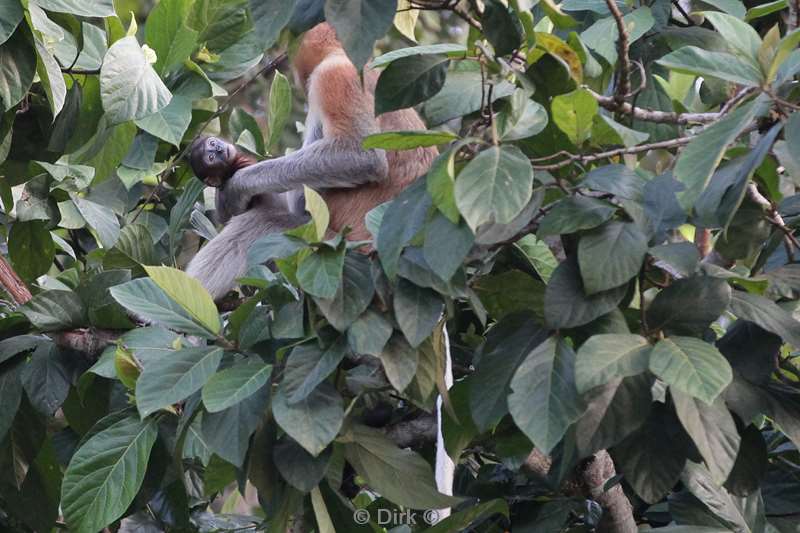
{"points": [[13, 284], [623, 88]]}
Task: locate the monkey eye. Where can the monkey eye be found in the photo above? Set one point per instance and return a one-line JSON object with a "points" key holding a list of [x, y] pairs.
{"points": [[211, 158]]}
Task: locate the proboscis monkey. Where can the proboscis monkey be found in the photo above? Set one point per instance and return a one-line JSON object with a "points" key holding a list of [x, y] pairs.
{"points": [[267, 196]]}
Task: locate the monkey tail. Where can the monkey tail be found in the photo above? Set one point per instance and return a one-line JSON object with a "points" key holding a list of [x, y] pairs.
{"points": [[445, 467]]}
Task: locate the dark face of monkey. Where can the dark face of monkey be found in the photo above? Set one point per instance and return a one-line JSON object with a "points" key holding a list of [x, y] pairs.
{"points": [[214, 160]]}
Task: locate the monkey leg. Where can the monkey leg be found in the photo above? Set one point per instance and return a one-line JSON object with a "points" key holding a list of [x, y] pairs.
{"points": [[224, 259]]}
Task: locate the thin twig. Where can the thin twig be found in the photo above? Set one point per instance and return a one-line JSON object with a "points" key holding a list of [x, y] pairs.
{"points": [[771, 213], [651, 115], [623, 88]]}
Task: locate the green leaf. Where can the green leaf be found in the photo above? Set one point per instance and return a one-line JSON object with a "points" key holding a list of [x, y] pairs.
{"points": [[740, 36], [566, 305], [314, 421], [145, 298], [280, 107], [446, 245], [228, 432], [104, 475], [762, 10], [400, 362], [235, 383], [17, 70], [11, 15], [573, 113], [698, 160], [610, 256], [728, 67], [308, 366], [407, 140], [382, 463], [51, 78], [461, 95], [353, 295], [462, 520], [544, 401], [85, 8], [320, 274], [189, 294], [502, 27], [100, 218], [410, 80], [507, 344], [369, 334], [451, 49], [713, 431], [55, 310], [441, 184], [495, 186], [510, 292], [129, 86], [168, 35], [269, 18], [302, 470], [417, 310], [274, 246], [691, 366], [525, 119], [604, 358], [402, 220], [173, 378], [10, 396], [359, 23], [318, 209], [31, 249], [689, 306], [766, 314], [47, 378], [575, 213], [171, 122]]}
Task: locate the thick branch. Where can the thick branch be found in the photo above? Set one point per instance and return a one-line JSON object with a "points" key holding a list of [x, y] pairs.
{"points": [[623, 88], [618, 511], [413, 433], [12, 283]]}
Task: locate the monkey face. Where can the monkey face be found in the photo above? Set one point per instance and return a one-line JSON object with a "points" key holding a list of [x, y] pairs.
{"points": [[212, 160]]}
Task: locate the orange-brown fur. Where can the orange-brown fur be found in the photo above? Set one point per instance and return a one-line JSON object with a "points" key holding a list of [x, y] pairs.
{"points": [[345, 99]]}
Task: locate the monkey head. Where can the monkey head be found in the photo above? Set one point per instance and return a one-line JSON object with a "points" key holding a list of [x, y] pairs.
{"points": [[214, 160]]}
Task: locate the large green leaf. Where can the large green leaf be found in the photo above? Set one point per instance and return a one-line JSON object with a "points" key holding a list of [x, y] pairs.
{"points": [[145, 298], [574, 113], [169, 123], [308, 366], [320, 274], [507, 344], [100, 218], [689, 306], [369, 333], [104, 475], [359, 23], [280, 107], [10, 16], [409, 81], [566, 305], [575, 213], [407, 140], [273, 246], [353, 295], [47, 378], [698, 160], [428, 49], [694, 60], [17, 70], [606, 357], [10, 396], [168, 35], [417, 311], [610, 256], [302, 470], [382, 464], [55, 310], [234, 384], [766, 314], [188, 293], [740, 36], [314, 421], [495, 186], [85, 8], [691, 366], [446, 245], [400, 362], [51, 78], [129, 86], [544, 401], [175, 377], [713, 431], [269, 18], [227, 433], [31, 249]]}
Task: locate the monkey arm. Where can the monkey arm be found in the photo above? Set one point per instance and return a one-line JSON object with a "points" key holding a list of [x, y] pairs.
{"points": [[324, 164]]}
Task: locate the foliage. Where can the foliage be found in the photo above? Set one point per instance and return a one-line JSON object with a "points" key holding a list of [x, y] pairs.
{"points": [[606, 251]]}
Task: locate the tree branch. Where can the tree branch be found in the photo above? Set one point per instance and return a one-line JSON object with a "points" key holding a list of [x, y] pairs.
{"points": [[13, 284], [772, 214], [623, 88], [651, 115]]}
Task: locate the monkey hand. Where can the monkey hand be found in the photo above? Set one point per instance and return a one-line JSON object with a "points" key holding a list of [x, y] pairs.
{"points": [[234, 198]]}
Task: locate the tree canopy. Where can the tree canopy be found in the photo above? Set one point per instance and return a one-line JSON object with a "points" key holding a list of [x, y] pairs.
{"points": [[605, 247]]}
